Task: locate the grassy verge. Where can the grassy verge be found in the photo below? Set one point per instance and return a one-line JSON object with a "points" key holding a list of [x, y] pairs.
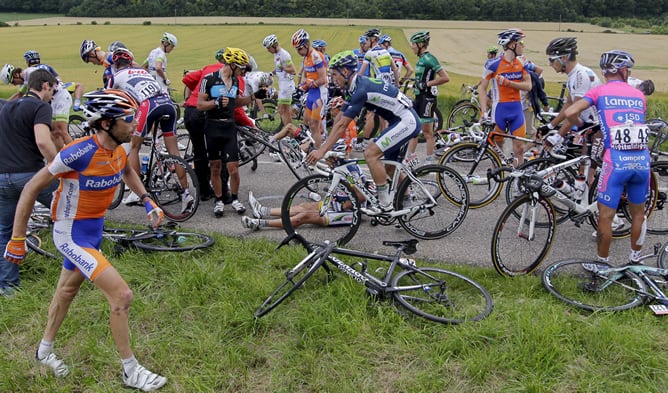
{"points": [[192, 319]]}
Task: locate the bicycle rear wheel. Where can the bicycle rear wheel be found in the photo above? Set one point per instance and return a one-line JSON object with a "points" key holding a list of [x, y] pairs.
{"points": [[118, 195], [301, 210], [172, 241], [570, 282], [463, 112], [449, 191], [441, 296], [167, 191], [523, 236], [34, 244], [294, 158], [463, 158], [294, 279], [658, 223], [77, 127]]}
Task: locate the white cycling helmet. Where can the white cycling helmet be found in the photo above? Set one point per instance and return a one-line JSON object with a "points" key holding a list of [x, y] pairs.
{"points": [[270, 41], [169, 39], [7, 74]]}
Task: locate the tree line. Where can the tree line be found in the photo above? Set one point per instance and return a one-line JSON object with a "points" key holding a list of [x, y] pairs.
{"points": [[652, 13]]}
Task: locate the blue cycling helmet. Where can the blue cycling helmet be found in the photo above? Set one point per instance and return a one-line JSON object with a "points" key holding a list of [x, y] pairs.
{"points": [[32, 57], [510, 35], [385, 38], [318, 44], [614, 60], [363, 39]]}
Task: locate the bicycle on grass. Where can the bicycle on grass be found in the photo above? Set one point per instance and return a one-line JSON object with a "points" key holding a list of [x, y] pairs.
{"points": [[433, 293], [38, 223], [597, 286], [429, 202], [524, 232], [167, 237]]}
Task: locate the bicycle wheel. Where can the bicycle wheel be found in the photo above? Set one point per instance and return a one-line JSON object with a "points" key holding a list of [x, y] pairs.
{"points": [[294, 279], [567, 175], [449, 191], [301, 210], [166, 189], [34, 244], [570, 282], [658, 223], [185, 146], [293, 157], [621, 226], [77, 127], [118, 195], [441, 296], [273, 122], [463, 112], [523, 235], [172, 241], [662, 258], [472, 164]]}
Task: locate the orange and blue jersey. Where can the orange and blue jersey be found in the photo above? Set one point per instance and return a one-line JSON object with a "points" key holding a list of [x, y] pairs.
{"points": [[313, 61], [89, 175], [512, 70]]}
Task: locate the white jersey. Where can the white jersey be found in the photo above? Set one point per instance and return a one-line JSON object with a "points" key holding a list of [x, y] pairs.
{"points": [[61, 103], [283, 59], [157, 55], [580, 80], [137, 82]]}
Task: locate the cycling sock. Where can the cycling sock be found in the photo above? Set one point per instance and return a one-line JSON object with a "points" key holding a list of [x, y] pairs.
{"points": [[383, 193], [44, 349], [129, 364], [603, 259], [235, 197]]}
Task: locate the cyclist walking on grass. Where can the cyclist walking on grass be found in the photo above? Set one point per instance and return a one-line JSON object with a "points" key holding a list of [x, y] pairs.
{"points": [[508, 77], [285, 74], [390, 104], [89, 170], [153, 104], [429, 74], [626, 159]]}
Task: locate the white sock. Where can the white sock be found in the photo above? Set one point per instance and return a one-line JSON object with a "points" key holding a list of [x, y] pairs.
{"points": [[603, 259], [634, 255], [129, 364], [45, 348]]}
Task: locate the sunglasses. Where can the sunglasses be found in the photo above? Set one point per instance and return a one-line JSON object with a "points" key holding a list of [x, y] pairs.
{"points": [[300, 47], [128, 118], [521, 42], [552, 59]]}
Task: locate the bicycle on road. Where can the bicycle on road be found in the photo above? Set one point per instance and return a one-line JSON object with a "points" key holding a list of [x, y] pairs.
{"points": [[597, 286], [430, 201], [433, 293]]}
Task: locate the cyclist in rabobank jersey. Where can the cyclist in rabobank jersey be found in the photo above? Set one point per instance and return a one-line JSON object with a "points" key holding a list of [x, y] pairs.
{"points": [[315, 83], [379, 60], [285, 72], [626, 159], [508, 77]]}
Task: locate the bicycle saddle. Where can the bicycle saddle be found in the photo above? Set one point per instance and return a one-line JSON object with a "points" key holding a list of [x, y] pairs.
{"points": [[408, 246]]}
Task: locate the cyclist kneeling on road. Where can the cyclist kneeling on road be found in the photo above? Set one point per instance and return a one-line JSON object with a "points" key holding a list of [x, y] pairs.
{"points": [[389, 103]]}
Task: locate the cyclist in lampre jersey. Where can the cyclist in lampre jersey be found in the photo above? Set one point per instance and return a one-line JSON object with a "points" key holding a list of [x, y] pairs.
{"points": [[390, 104], [626, 159]]}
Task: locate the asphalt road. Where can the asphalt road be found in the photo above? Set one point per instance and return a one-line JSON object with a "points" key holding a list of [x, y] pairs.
{"points": [[469, 244]]}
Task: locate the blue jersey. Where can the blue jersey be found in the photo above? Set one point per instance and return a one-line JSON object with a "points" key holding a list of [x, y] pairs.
{"points": [[360, 61], [377, 96]]}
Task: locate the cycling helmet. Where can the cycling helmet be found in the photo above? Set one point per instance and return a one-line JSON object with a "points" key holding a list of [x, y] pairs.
{"points": [[345, 59], [235, 56], [374, 33], [32, 57], [385, 38], [300, 38], [420, 36], [169, 38], [270, 40], [647, 87], [492, 49], [335, 103], [612, 61], [123, 55], [266, 79], [108, 104], [7, 74], [363, 39], [86, 47], [115, 45], [319, 44], [562, 46], [219, 54], [510, 35]]}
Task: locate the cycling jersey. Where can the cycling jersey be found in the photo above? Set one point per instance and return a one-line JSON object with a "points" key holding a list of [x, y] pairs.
{"points": [[389, 103], [313, 61], [580, 80], [253, 82], [360, 60], [380, 60], [398, 58], [511, 70], [626, 161], [61, 103], [286, 84], [316, 97], [426, 69], [157, 55]]}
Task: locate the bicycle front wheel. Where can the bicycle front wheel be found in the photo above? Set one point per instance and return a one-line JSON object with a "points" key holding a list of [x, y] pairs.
{"points": [[302, 210], [167, 189], [293, 157], [574, 282], [428, 220], [441, 296], [294, 279], [472, 164], [463, 112], [172, 241], [523, 236]]}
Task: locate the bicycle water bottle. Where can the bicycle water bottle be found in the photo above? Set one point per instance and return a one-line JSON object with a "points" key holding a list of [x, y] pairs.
{"points": [[579, 187], [144, 164], [564, 187], [355, 172]]}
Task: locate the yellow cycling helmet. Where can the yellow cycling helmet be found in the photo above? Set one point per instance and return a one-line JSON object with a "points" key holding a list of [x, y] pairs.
{"points": [[235, 56]]}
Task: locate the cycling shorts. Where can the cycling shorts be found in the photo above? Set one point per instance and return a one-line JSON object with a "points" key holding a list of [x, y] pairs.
{"points": [[79, 242], [61, 103], [510, 116], [425, 105], [315, 103], [221, 140], [285, 91], [401, 129], [621, 172], [151, 110]]}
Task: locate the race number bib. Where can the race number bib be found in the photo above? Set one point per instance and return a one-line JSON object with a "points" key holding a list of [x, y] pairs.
{"points": [[629, 137], [404, 100]]}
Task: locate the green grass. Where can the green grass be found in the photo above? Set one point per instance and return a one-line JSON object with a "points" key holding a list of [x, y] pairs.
{"points": [[192, 319]]}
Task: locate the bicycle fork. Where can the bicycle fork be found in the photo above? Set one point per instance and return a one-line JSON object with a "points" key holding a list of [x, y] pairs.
{"points": [[527, 224]]}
